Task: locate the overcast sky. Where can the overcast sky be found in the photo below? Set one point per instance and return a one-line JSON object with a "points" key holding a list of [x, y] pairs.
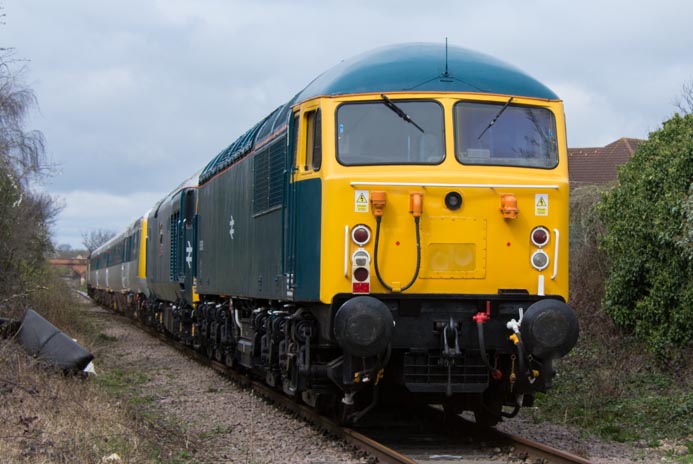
{"points": [[136, 95]]}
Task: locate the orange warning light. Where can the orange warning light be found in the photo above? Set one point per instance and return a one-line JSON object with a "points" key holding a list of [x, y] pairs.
{"points": [[509, 206]]}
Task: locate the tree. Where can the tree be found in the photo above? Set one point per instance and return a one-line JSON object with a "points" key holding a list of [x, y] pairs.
{"points": [[21, 151], [649, 290], [96, 238], [26, 215]]}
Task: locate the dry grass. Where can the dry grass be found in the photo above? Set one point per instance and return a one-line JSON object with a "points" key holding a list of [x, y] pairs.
{"points": [[50, 417]]}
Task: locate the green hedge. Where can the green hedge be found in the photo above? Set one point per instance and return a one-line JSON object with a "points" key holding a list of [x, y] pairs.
{"points": [[649, 289]]}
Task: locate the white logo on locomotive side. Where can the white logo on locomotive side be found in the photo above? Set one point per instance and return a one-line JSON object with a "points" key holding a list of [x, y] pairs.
{"points": [[231, 229], [188, 254]]}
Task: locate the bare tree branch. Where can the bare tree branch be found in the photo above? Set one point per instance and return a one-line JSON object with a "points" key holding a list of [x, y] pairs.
{"points": [[94, 239], [26, 215], [685, 101]]}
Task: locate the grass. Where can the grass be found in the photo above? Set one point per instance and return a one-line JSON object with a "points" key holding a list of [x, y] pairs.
{"points": [[612, 389], [105, 338], [47, 416], [120, 381], [50, 417]]}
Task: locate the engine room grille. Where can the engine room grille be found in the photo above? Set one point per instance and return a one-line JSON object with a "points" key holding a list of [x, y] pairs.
{"points": [[268, 176], [173, 257], [426, 372]]}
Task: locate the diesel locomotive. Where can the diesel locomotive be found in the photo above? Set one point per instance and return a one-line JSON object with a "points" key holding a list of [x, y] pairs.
{"points": [[401, 223]]}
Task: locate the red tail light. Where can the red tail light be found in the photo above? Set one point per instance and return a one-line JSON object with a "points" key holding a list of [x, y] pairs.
{"points": [[361, 234], [361, 274], [540, 236]]}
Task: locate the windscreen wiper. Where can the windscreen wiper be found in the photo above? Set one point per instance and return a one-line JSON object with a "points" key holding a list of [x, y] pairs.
{"points": [[495, 118], [399, 111]]}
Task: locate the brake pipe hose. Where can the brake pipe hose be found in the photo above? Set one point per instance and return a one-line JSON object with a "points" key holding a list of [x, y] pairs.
{"points": [[417, 221]]}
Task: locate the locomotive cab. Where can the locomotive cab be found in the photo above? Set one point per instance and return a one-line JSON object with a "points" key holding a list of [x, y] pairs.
{"points": [[445, 214]]}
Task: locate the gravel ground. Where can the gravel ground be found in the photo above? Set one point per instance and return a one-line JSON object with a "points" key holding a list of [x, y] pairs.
{"points": [[223, 422], [574, 441]]}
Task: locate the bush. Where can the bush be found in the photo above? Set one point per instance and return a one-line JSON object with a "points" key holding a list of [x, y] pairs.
{"points": [[588, 262], [649, 289]]}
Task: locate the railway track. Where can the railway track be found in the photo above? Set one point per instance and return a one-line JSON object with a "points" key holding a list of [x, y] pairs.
{"points": [[420, 435]]}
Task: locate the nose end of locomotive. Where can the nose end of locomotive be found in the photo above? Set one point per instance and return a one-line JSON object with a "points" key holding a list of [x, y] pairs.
{"points": [[363, 326], [549, 329]]}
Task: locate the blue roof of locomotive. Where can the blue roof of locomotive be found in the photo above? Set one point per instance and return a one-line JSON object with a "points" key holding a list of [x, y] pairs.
{"points": [[407, 67], [422, 67]]}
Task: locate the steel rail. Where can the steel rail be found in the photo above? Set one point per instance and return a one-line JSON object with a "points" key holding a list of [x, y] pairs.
{"points": [[540, 450]]}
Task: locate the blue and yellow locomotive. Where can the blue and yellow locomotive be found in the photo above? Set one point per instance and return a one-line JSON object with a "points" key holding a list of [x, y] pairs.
{"points": [[402, 222]]}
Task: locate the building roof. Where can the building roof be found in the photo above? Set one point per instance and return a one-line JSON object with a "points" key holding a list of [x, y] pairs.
{"points": [[597, 165], [426, 67]]}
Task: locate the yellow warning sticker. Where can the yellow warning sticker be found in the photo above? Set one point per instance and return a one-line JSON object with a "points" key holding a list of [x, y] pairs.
{"points": [[361, 201], [541, 204]]}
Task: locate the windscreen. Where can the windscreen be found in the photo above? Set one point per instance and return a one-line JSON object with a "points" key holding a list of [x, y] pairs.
{"points": [[390, 132], [505, 135]]}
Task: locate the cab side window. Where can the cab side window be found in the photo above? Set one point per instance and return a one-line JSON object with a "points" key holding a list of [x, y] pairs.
{"points": [[313, 133]]}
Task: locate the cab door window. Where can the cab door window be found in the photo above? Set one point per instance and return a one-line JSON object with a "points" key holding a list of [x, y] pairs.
{"points": [[313, 134]]}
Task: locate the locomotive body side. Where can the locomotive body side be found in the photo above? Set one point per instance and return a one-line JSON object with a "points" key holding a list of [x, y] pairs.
{"points": [[240, 241]]}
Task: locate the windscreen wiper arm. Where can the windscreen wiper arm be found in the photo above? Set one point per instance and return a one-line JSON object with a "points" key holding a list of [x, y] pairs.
{"points": [[399, 111], [495, 118]]}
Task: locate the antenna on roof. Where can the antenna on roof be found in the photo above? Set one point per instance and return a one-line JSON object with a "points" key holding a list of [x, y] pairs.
{"points": [[446, 74]]}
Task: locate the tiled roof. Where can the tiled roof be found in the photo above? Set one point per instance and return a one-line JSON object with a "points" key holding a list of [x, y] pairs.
{"points": [[597, 165]]}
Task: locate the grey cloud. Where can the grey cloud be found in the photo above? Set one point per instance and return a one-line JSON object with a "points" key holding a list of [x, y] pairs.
{"points": [[135, 96]]}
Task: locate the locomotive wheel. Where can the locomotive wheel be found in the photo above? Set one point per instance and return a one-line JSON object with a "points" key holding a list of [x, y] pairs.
{"points": [[451, 409], [344, 413], [486, 419], [325, 402], [228, 359], [489, 411], [271, 378]]}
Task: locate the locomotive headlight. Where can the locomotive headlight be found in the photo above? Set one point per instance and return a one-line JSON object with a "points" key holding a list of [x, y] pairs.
{"points": [[453, 201], [361, 234], [361, 258], [540, 260]]}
